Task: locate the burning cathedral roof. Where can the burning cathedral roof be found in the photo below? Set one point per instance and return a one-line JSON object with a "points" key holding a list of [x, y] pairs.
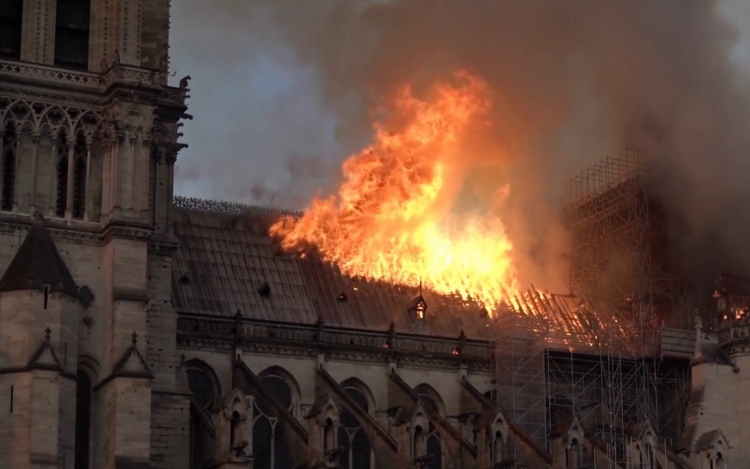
{"points": [[227, 262]]}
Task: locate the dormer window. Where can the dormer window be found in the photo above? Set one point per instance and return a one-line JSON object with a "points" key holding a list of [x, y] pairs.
{"points": [[72, 34], [11, 21], [418, 308]]}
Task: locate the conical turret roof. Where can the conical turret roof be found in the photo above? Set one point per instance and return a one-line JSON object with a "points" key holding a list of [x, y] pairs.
{"points": [[38, 263]]}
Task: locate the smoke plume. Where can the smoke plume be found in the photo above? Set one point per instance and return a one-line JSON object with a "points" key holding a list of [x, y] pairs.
{"points": [[572, 82]]}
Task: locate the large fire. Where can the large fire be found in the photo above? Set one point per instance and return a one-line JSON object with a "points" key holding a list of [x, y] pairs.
{"points": [[392, 220]]}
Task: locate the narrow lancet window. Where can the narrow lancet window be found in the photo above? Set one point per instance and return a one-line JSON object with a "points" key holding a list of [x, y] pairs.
{"points": [[79, 177], [11, 20], [72, 34], [80, 156], [10, 146], [62, 175], [83, 420]]}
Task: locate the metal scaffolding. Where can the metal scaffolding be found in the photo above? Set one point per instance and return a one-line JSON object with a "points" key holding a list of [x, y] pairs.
{"points": [[520, 374], [596, 353], [620, 261]]}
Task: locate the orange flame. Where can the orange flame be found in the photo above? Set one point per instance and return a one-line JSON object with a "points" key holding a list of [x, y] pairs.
{"points": [[391, 220]]}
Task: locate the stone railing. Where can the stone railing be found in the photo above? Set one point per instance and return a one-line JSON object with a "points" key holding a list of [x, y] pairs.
{"points": [[734, 332], [129, 73], [257, 331], [117, 73], [47, 73]]}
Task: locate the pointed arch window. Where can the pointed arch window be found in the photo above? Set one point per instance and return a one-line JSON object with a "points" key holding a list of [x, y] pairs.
{"points": [[72, 34], [8, 160], [356, 450], [78, 180], [434, 447], [11, 21], [270, 449], [83, 420], [205, 388]]}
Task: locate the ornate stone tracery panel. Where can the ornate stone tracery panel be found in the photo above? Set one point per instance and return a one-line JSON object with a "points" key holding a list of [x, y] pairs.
{"points": [[38, 118]]}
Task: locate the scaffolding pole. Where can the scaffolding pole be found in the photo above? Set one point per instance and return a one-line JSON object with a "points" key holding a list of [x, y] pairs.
{"points": [[595, 353]]}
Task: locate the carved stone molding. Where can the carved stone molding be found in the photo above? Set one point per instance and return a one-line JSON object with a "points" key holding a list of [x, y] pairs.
{"points": [[301, 340]]}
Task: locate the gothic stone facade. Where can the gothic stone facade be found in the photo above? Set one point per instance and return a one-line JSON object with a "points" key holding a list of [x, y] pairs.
{"points": [[137, 331]]}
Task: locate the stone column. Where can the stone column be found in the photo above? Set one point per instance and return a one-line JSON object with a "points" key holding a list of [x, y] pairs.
{"points": [[132, 160], [69, 187], [54, 157], [144, 188], [2, 160], [115, 174], [38, 32], [35, 138], [171, 159], [87, 188]]}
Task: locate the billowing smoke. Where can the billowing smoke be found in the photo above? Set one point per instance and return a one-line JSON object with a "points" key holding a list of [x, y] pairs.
{"points": [[572, 82]]}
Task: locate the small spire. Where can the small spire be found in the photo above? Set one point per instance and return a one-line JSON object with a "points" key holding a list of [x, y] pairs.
{"points": [[47, 333], [134, 340]]}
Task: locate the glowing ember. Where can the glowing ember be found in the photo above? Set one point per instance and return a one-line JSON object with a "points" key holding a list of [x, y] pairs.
{"points": [[391, 220]]}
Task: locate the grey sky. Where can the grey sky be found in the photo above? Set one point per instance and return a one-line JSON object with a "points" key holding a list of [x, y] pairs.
{"points": [[261, 132]]}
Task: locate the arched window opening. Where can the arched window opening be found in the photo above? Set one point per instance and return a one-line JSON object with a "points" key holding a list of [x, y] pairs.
{"points": [[62, 175], [355, 445], [497, 448], [83, 420], [10, 147], [79, 178], [196, 449], [647, 460], [434, 447], [434, 451], [72, 34], [80, 152], [720, 461], [430, 398], [11, 21], [205, 388], [270, 449], [202, 383]]}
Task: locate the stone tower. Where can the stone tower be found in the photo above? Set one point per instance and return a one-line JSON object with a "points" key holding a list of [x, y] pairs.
{"points": [[89, 128]]}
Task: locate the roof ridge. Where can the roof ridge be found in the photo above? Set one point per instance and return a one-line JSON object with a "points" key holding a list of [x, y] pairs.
{"points": [[221, 207]]}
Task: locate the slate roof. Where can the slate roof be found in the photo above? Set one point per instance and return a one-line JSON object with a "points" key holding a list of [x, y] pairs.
{"points": [[224, 259], [706, 440], [38, 263]]}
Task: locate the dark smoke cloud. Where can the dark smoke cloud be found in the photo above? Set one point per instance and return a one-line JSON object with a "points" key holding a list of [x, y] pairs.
{"points": [[572, 81]]}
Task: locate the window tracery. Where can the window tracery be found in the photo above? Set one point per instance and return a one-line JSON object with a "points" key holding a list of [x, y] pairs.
{"points": [[270, 449], [11, 21], [355, 446], [202, 383], [9, 150], [72, 34], [434, 448], [205, 388]]}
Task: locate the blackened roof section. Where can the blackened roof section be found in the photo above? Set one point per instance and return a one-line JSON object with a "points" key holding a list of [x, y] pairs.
{"points": [[38, 263]]}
